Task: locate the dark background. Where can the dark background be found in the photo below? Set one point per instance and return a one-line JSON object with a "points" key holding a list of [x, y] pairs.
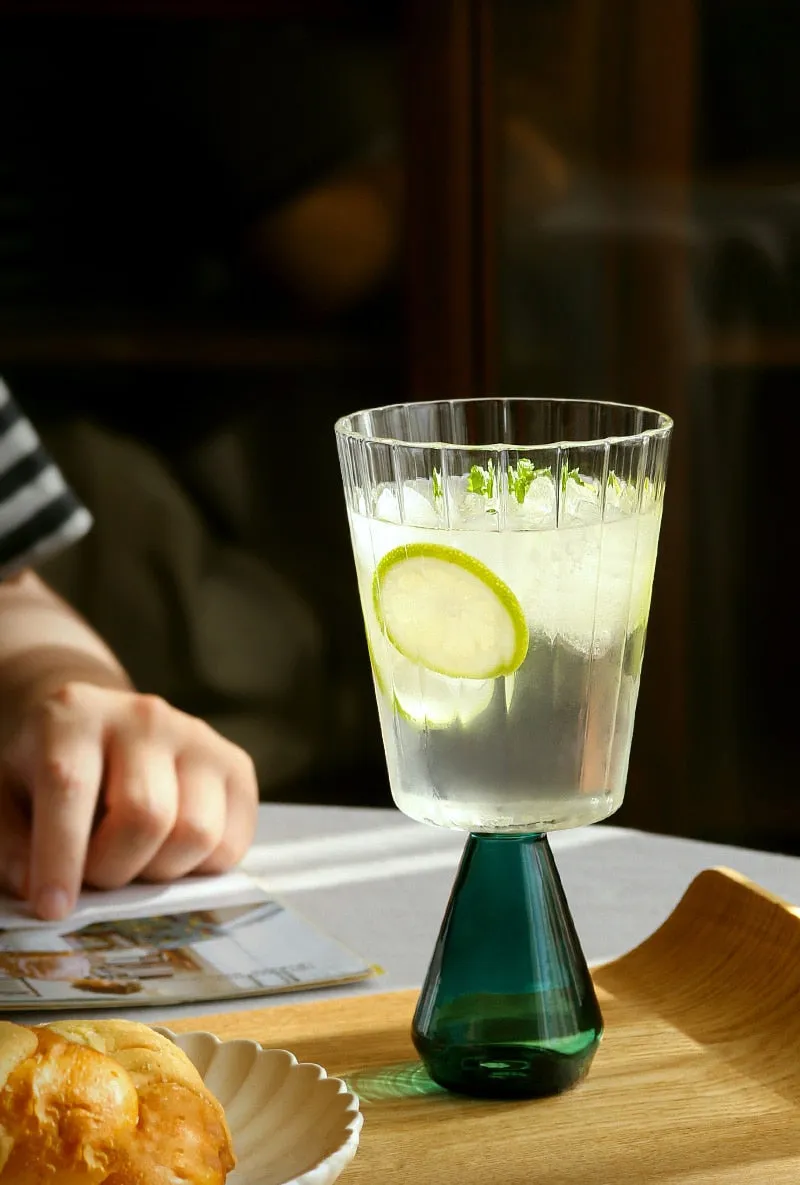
{"points": [[222, 226]]}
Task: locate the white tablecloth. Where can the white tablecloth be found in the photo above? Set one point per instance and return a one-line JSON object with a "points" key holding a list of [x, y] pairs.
{"points": [[379, 883]]}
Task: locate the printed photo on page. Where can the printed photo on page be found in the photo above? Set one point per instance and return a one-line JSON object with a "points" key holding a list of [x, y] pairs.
{"points": [[198, 940]]}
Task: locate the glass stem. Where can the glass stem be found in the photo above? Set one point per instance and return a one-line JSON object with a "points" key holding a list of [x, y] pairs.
{"points": [[508, 1008]]}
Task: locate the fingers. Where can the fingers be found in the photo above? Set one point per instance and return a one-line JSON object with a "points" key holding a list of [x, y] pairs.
{"points": [[141, 809], [178, 798], [200, 824], [66, 783], [231, 818], [168, 815], [240, 821]]}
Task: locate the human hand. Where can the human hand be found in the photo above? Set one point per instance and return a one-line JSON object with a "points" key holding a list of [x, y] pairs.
{"points": [[102, 787]]}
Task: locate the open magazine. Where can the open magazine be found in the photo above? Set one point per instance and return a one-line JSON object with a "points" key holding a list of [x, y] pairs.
{"points": [[199, 939]]}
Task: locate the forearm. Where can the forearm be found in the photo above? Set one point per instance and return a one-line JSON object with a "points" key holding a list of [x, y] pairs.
{"points": [[45, 644]]}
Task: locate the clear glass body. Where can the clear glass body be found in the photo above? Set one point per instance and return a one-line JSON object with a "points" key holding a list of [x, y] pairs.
{"points": [[505, 553]]}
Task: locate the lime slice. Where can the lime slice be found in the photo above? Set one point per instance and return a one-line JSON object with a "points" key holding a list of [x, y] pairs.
{"points": [[377, 643], [423, 698], [428, 700], [446, 611]]}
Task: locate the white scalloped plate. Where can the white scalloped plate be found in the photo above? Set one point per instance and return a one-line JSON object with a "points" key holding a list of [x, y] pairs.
{"points": [[291, 1124]]}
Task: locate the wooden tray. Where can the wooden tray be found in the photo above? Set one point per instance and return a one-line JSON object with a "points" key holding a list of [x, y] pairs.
{"points": [[697, 1079]]}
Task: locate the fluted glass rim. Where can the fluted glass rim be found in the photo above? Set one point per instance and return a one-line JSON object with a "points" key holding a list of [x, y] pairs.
{"points": [[661, 430]]}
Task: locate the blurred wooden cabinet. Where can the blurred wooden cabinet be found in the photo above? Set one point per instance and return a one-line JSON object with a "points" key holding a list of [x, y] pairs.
{"points": [[621, 210], [621, 84]]}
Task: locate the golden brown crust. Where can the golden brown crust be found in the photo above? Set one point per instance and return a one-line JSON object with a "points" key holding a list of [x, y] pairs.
{"points": [[16, 1043], [106, 1102]]}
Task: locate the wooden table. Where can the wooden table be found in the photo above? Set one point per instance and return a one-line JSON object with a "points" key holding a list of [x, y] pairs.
{"points": [[697, 1080]]}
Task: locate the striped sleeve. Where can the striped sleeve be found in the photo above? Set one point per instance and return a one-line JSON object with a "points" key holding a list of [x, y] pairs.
{"points": [[39, 513]]}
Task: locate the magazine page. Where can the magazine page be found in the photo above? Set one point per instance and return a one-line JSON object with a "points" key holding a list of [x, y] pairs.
{"points": [[200, 939]]}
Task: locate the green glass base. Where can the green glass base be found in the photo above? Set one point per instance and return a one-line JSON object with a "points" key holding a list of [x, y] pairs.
{"points": [[508, 1008]]}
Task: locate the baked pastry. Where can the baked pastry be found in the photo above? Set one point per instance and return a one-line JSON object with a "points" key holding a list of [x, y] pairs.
{"points": [[105, 1102]]}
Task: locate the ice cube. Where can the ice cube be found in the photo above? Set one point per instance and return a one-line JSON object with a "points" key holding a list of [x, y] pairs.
{"points": [[470, 511], [419, 508], [537, 511], [416, 510], [387, 505], [621, 498], [581, 501]]}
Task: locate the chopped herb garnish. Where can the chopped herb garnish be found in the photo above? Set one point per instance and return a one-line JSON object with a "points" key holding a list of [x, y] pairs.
{"points": [[481, 481], [572, 474], [522, 478]]}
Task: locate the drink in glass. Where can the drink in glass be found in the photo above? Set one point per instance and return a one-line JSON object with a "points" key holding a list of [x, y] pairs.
{"points": [[505, 552], [505, 589]]}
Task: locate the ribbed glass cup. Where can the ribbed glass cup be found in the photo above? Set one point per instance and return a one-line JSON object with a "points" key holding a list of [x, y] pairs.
{"points": [[505, 552]]}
